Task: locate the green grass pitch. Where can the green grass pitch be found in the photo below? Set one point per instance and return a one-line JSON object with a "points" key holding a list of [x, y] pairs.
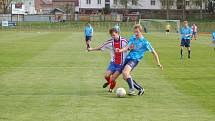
{"points": [[49, 76]]}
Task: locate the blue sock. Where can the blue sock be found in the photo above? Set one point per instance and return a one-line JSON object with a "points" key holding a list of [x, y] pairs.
{"points": [[137, 86], [130, 83]]}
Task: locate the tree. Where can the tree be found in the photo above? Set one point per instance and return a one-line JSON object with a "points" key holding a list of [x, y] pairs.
{"points": [[166, 5], [6, 4], [211, 6], [200, 3], [181, 5]]}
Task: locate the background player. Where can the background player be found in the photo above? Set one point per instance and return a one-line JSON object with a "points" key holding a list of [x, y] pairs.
{"points": [[194, 29], [167, 28], [186, 34], [117, 27], [117, 58], [213, 39], [138, 45], [88, 34]]}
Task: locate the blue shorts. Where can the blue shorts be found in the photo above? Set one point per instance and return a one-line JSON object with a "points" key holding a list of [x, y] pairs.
{"points": [[88, 38], [213, 43], [131, 62], [185, 42], [115, 67], [194, 33]]}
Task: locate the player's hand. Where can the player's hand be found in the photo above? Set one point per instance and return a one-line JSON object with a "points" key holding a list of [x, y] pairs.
{"points": [[161, 66], [118, 50], [131, 47]]}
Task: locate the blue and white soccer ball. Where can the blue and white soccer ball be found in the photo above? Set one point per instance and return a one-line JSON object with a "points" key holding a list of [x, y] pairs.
{"points": [[120, 92]]}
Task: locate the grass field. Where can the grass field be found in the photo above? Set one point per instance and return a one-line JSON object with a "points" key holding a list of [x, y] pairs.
{"points": [[49, 76]]}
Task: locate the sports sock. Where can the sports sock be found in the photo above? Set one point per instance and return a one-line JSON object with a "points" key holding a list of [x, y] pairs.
{"points": [[108, 79], [88, 45], [188, 53], [181, 53], [137, 86], [112, 84], [130, 83]]}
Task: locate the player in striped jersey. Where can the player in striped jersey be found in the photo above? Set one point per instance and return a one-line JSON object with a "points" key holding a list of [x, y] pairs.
{"points": [[117, 58]]}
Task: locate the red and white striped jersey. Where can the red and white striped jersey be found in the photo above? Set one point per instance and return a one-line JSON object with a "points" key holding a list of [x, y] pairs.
{"points": [[194, 28], [111, 44]]}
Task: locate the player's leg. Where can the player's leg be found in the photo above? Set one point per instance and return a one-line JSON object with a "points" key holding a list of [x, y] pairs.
{"points": [[88, 39], [189, 52], [214, 44], [107, 77], [114, 76], [127, 76], [130, 65], [182, 48], [188, 48], [195, 36], [117, 71], [182, 53], [138, 87], [108, 73]]}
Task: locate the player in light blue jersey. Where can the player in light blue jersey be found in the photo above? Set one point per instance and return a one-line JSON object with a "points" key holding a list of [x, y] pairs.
{"points": [[137, 45], [117, 27], [186, 36], [88, 34], [213, 39]]}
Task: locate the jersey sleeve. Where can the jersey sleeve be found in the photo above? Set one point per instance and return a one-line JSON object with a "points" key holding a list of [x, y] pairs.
{"points": [[130, 42], [213, 36], [149, 47], [124, 43], [106, 45]]}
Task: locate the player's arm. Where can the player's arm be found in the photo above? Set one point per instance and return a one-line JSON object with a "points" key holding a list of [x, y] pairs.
{"points": [[156, 58], [98, 48], [92, 31], [126, 48], [190, 33], [101, 47], [129, 46]]}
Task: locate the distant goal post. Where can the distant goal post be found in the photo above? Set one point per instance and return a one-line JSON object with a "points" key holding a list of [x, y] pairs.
{"points": [[160, 25]]}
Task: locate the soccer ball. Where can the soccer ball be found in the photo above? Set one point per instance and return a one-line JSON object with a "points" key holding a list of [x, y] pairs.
{"points": [[120, 92]]}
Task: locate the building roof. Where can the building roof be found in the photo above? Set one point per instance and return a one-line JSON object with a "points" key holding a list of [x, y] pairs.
{"points": [[47, 1], [57, 10]]}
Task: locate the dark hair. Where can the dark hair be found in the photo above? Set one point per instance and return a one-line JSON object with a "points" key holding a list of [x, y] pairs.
{"points": [[112, 30]]}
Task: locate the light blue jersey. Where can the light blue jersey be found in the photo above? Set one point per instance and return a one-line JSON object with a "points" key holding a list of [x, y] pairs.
{"points": [[185, 31], [213, 36], [89, 31], [117, 27], [140, 47]]}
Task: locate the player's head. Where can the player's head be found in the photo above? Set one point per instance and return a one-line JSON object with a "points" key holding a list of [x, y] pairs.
{"points": [[185, 23], [88, 24], [114, 33], [137, 29]]}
